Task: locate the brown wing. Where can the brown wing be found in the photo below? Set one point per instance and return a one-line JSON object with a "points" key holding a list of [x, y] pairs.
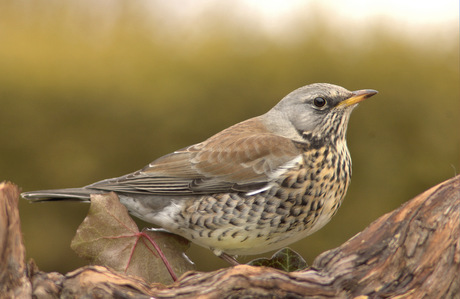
{"points": [[241, 158]]}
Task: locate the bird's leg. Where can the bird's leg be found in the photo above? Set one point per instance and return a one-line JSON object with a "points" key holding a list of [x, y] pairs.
{"points": [[229, 259]]}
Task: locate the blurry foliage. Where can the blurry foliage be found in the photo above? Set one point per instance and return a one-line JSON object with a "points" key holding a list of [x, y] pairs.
{"points": [[89, 92]]}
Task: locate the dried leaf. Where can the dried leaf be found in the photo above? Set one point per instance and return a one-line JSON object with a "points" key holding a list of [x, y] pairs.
{"points": [[109, 237], [284, 259]]}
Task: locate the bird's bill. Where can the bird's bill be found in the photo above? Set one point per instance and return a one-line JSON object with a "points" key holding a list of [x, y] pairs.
{"points": [[358, 96]]}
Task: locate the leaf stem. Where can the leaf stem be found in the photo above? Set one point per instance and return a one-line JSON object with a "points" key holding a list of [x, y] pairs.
{"points": [[162, 256]]}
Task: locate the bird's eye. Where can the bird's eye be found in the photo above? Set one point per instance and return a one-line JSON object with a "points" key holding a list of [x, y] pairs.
{"points": [[319, 102]]}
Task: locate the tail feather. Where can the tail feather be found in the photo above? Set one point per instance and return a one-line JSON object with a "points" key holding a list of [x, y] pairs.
{"points": [[77, 194]]}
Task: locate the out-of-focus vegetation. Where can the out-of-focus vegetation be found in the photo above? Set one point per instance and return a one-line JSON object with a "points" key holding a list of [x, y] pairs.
{"points": [[88, 93]]}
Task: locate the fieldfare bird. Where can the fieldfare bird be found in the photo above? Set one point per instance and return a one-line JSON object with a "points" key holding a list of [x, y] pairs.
{"points": [[254, 187]]}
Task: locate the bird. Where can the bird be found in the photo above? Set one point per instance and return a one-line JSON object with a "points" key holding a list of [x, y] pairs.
{"points": [[254, 187]]}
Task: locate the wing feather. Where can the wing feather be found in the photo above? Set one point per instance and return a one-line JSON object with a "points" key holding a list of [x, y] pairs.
{"points": [[241, 158]]}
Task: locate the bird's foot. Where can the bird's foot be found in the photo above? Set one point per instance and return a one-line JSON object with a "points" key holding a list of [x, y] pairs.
{"points": [[229, 259]]}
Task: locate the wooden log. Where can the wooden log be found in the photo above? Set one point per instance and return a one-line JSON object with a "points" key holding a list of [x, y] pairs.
{"points": [[412, 252], [13, 279]]}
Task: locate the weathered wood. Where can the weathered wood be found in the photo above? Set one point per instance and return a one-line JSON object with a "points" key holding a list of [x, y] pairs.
{"points": [[412, 252], [13, 278]]}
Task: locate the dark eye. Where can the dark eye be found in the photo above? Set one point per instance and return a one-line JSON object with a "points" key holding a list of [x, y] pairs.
{"points": [[319, 102]]}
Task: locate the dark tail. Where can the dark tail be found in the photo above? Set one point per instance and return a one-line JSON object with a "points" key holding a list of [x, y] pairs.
{"points": [[77, 194]]}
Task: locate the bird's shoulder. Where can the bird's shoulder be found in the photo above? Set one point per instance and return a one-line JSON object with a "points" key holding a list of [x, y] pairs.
{"points": [[247, 147]]}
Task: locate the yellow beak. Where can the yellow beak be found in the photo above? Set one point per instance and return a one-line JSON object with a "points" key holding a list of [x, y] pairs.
{"points": [[357, 96]]}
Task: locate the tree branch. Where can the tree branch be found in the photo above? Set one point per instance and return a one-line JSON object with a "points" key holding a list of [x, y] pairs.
{"points": [[413, 251]]}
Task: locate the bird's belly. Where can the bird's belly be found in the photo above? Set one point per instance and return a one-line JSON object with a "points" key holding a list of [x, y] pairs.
{"points": [[244, 225], [250, 243]]}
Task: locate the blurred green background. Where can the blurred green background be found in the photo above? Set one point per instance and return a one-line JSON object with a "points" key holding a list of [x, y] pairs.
{"points": [[92, 90]]}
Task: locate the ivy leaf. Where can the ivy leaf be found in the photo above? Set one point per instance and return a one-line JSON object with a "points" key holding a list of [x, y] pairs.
{"points": [[109, 237], [284, 259]]}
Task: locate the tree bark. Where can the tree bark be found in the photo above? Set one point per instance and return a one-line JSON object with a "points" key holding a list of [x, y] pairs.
{"points": [[412, 252]]}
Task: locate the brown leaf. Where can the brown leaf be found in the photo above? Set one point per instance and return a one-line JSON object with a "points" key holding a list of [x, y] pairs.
{"points": [[109, 237]]}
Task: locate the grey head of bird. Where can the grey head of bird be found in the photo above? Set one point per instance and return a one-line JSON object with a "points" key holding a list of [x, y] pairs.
{"points": [[317, 110]]}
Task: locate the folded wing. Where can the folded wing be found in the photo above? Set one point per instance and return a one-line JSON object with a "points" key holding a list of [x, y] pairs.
{"points": [[231, 161]]}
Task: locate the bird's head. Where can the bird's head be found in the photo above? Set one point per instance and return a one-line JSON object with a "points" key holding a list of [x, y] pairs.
{"points": [[319, 109]]}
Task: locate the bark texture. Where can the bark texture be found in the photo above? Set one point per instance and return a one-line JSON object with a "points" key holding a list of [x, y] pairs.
{"points": [[412, 252]]}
